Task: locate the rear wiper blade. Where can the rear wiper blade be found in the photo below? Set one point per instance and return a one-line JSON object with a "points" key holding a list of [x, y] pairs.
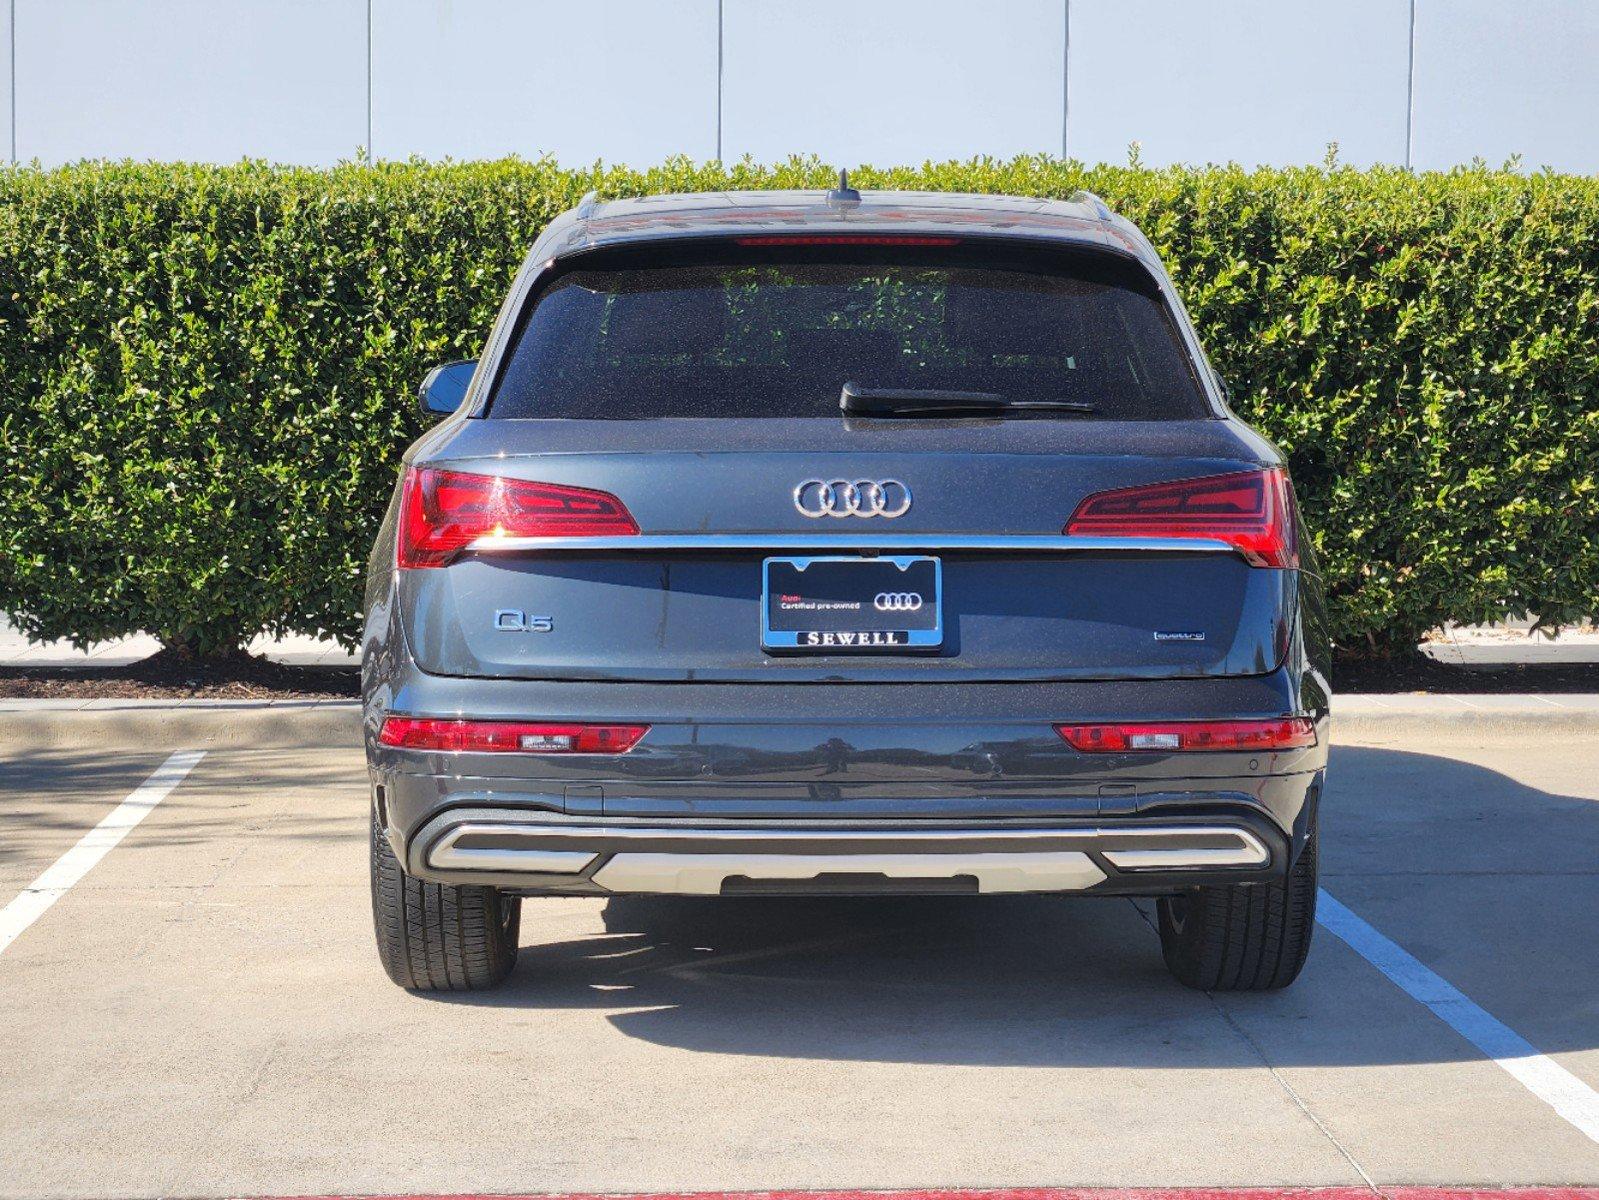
{"points": [[858, 401]]}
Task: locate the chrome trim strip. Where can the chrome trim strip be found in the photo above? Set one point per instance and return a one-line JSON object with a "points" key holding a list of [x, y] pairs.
{"points": [[867, 539], [704, 874], [849, 840], [446, 855], [1249, 854]]}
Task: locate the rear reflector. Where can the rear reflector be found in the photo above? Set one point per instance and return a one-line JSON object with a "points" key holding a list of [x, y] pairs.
{"points": [[847, 239], [442, 512], [1279, 733], [1252, 511], [511, 737]]}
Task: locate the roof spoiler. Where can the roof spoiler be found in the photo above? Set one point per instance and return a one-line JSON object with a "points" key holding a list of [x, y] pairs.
{"points": [[1080, 196]]}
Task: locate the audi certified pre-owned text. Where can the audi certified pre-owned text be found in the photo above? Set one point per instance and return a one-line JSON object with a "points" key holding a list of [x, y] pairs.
{"points": [[804, 543]]}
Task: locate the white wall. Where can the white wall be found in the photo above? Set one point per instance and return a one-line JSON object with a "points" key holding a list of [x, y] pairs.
{"points": [[891, 81], [630, 80], [195, 79], [1496, 78], [1256, 81], [882, 81]]}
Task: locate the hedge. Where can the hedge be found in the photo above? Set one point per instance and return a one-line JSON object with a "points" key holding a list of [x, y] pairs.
{"points": [[206, 373]]}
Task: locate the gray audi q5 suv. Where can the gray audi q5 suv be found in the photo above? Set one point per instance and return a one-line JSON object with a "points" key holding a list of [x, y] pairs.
{"points": [[805, 543]]}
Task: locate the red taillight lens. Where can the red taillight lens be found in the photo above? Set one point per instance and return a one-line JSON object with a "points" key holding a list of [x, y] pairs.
{"points": [[1252, 511], [1279, 733], [514, 737], [441, 512]]}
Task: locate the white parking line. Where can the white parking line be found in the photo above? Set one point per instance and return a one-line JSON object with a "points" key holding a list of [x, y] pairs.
{"points": [[1538, 1073], [77, 862]]}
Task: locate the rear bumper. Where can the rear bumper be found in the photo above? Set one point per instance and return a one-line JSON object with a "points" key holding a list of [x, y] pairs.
{"points": [[751, 787], [565, 855]]}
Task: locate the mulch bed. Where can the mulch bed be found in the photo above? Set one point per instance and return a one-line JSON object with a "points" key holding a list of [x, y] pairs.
{"points": [[172, 676], [1418, 673], [246, 677]]}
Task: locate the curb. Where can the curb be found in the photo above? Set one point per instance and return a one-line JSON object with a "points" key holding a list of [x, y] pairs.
{"points": [[203, 724], [1369, 717], [280, 723]]}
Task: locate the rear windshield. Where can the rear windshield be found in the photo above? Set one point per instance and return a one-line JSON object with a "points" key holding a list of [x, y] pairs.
{"points": [[752, 338]]}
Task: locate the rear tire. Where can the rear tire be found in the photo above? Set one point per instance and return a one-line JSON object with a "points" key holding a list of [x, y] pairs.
{"points": [[1242, 937], [437, 937]]}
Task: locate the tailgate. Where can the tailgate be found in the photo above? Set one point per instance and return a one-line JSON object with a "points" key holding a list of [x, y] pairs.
{"points": [[698, 616], [684, 599]]}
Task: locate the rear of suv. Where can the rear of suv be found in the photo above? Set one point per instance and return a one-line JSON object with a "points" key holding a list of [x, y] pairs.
{"points": [[793, 543]]}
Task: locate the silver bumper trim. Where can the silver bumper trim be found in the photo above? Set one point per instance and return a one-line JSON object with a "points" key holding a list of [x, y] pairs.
{"points": [[699, 860], [447, 855], [1252, 854], [705, 874]]}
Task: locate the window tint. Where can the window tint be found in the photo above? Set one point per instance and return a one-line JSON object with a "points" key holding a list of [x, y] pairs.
{"points": [[780, 339]]}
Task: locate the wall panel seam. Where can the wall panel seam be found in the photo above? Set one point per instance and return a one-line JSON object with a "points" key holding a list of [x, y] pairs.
{"points": [[13, 82], [721, 18], [1066, 79], [1410, 94]]}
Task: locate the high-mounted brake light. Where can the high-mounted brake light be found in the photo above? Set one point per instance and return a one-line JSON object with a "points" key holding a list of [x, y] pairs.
{"points": [[847, 239], [508, 737], [442, 512], [1252, 511], [1277, 733]]}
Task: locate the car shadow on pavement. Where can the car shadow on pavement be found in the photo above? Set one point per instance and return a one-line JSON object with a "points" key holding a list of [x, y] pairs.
{"points": [[1491, 882]]}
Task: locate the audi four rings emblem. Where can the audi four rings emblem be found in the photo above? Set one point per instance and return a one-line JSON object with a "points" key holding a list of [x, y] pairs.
{"points": [[888, 498], [897, 601]]}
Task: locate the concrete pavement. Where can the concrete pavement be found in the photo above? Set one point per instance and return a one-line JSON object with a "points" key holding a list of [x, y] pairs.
{"points": [[1512, 643], [203, 1014]]}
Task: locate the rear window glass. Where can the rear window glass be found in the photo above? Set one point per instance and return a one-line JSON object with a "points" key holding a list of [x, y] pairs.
{"points": [[781, 338]]}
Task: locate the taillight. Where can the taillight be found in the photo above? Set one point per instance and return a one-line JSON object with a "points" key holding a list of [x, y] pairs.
{"points": [[513, 737], [1277, 733], [1252, 511], [441, 512]]}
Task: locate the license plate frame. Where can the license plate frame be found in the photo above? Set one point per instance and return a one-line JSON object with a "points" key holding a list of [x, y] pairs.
{"points": [[868, 629]]}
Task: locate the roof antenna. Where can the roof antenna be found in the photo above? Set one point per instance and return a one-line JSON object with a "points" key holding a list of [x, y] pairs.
{"points": [[843, 195]]}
